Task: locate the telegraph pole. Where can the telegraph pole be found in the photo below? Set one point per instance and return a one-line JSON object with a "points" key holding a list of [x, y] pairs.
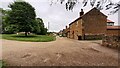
{"points": [[48, 26]]}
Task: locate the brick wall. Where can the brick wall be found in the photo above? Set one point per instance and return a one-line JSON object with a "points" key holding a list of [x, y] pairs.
{"points": [[93, 37], [94, 22], [112, 32], [111, 41], [76, 29]]}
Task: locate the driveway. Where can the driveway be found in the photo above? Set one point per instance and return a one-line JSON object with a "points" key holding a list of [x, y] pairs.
{"points": [[62, 52]]}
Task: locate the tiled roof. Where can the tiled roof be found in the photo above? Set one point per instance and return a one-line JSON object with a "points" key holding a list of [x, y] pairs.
{"points": [[86, 14], [75, 20], [113, 27]]}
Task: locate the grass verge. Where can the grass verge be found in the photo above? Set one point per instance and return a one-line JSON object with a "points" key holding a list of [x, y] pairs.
{"points": [[29, 38], [2, 64]]}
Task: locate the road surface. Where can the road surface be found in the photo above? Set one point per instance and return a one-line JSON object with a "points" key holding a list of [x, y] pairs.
{"points": [[62, 52]]}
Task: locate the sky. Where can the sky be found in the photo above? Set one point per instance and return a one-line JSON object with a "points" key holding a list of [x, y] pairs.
{"points": [[56, 14]]}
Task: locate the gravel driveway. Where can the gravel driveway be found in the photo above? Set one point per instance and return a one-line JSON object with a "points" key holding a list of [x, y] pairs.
{"points": [[62, 52]]}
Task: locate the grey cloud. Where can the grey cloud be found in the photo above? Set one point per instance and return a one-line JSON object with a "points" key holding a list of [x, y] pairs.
{"points": [[56, 14]]}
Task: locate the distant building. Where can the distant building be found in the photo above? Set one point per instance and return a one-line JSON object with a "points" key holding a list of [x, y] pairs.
{"points": [[60, 33], [67, 32], [113, 31], [93, 24], [64, 32], [110, 23]]}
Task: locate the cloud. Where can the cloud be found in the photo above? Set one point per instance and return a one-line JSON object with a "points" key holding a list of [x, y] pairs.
{"points": [[56, 14]]}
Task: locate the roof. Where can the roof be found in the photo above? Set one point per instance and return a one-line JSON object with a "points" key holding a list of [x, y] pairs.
{"points": [[86, 14], [94, 9], [109, 21], [75, 20], [113, 27]]}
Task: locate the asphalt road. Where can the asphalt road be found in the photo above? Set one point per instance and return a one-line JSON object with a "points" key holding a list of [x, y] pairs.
{"points": [[62, 52]]}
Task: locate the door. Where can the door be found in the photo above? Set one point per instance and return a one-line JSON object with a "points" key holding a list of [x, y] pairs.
{"points": [[79, 37]]}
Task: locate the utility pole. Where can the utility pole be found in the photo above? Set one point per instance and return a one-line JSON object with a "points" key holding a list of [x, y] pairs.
{"points": [[48, 26]]}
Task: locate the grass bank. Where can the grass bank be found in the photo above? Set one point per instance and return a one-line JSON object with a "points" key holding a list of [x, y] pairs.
{"points": [[2, 64], [29, 38]]}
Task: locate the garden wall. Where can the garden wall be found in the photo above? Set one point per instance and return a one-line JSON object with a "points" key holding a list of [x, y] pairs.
{"points": [[93, 37], [111, 41]]}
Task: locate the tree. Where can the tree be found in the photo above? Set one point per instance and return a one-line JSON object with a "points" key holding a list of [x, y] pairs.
{"points": [[0, 20], [39, 27], [22, 15], [6, 26], [99, 4]]}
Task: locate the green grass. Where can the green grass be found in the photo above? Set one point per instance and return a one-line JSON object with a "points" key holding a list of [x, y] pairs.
{"points": [[2, 64], [29, 38]]}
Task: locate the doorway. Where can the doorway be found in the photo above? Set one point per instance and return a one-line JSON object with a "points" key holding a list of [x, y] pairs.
{"points": [[79, 37]]}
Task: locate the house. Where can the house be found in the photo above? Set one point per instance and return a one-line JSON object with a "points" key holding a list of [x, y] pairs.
{"points": [[110, 23], [113, 31], [60, 33], [89, 25], [64, 32], [67, 32]]}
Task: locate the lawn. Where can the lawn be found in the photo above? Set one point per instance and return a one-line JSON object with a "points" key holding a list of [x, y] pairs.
{"points": [[29, 38], [0, 64]]}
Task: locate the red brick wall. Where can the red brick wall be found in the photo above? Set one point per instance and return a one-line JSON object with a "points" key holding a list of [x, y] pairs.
{"points": [[76, 29], [94, 22], [111, 32]]}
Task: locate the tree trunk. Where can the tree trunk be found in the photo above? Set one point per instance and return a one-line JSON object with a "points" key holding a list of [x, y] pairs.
{"points": [[26, 34]]}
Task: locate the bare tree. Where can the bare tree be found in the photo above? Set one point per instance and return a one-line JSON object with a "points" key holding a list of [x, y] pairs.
{"points": [[99, 4]]}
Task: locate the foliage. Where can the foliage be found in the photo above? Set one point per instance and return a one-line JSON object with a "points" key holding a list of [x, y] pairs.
{"points": [[10, 29], [21, 18], [30, 38], [39, 27], [99, 4], [1, 20], [6, 26], [22, 15], [2, 64]]}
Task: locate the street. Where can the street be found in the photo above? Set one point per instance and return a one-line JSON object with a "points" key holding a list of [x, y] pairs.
{"points": [[62, 52]]}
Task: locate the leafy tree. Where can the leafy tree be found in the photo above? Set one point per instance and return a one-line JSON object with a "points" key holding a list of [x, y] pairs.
{"points": [[99, 4], [10, 29], [0, 20], [22, 15], [3, 17], [43, 31], [36, 27], [39, 27], [6, 26]]}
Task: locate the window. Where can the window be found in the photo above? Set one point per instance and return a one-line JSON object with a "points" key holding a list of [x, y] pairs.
{"points": [[110, 24], [77, 24]]}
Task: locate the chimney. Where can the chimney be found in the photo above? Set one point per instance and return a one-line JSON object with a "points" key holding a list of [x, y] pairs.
{"points": [[81, 13], [66, 27]]}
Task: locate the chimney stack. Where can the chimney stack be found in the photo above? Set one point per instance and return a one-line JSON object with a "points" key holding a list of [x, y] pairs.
{"points": [[66, 27], [81, 13]]}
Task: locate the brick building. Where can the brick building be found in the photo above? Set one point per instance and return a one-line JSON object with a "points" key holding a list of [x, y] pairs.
{"points": [[110, 23], [113, 31], [92, 24]]}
